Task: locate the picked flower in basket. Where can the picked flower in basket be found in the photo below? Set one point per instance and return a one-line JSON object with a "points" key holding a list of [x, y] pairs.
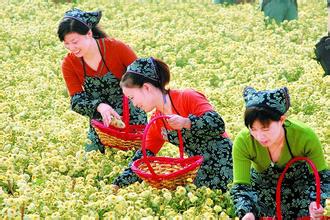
{"points": [[166, 172], [120, 135], [279, 186]]}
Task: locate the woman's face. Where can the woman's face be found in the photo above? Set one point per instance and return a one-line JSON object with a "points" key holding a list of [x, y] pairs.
{"points": [[267, 135], [78, 44], [143, 98]]}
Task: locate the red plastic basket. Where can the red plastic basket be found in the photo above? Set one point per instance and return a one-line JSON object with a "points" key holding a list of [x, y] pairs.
{"points": [[279, 185], [126, 138], [166, 172]]}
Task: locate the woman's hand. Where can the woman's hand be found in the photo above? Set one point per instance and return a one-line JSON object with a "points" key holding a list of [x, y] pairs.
{"points": [[114, 188], [248, 216], [107, 112], [178, 122], [314, 212]]}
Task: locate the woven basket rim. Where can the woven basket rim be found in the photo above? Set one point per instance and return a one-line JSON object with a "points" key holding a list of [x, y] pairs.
{"points": [[193, 163], [135, 131]]}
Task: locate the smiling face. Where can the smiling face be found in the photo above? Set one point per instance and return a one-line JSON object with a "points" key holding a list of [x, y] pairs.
{"points": [[267, 134], [78, 44], [144, 98]]}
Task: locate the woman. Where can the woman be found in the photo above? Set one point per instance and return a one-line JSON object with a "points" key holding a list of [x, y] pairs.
{"points": [[280, 10], [203, 130], [260, 153], [92, 71]]}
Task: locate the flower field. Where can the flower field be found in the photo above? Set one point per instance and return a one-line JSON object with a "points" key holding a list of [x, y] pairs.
{"points": [[216, 49]]}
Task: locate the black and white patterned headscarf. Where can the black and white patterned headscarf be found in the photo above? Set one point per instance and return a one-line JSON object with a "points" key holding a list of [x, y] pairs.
{"points": [[90, 19]]}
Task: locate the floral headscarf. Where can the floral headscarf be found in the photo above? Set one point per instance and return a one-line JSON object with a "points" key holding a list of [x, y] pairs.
{"points": [[277, 100], [145, 67], [90, 19]]}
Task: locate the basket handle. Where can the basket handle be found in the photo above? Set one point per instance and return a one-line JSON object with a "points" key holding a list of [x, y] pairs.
{"points": [[280, 180], [328, 9], [125, 112], [144, 152]]}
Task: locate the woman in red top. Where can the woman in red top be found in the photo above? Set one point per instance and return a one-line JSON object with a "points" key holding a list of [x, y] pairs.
{"points": [[92, 70], [203, 130]]}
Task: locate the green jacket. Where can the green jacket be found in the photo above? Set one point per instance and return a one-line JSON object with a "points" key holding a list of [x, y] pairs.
{"points": [[248, 152]]}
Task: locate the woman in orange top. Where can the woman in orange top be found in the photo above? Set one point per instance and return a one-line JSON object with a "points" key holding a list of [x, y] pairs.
{"points": [[203, 129], [92, 70]]}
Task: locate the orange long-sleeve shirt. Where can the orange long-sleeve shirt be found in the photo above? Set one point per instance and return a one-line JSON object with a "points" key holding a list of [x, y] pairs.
{"points": [[186, 102], [117, 57]]}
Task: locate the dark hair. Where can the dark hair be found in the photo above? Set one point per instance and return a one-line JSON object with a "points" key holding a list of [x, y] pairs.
{"points": [[69, 25], [131, 80], [264, 115]]}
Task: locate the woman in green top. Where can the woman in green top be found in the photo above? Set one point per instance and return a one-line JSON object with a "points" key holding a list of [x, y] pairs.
{"points": [[260, 153]]}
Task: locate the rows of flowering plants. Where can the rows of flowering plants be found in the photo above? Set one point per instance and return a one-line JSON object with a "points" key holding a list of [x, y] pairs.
{"points": [[216, 49]]}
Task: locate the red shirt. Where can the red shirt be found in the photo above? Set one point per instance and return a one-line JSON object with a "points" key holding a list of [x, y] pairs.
{"points": [[185, 102], [117, 57]]}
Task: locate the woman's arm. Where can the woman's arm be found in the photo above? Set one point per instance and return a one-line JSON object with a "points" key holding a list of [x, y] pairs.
{"points": [[242, 193], [244, 199], [128, 177], [200, 115], [153, 143], [84, 104], [125, 53], [208, 124], [81, 102], [325, 187]]}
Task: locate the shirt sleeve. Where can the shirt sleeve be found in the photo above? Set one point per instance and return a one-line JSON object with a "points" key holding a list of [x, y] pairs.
{"points": [[242, 193], [196, 102], [313, 150], [325, 187], [125, 53], [81, 102], [245, 199], [72, 81], [154, 138], [209, 124], [204, 120], [84, 104], [241, 160]]}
